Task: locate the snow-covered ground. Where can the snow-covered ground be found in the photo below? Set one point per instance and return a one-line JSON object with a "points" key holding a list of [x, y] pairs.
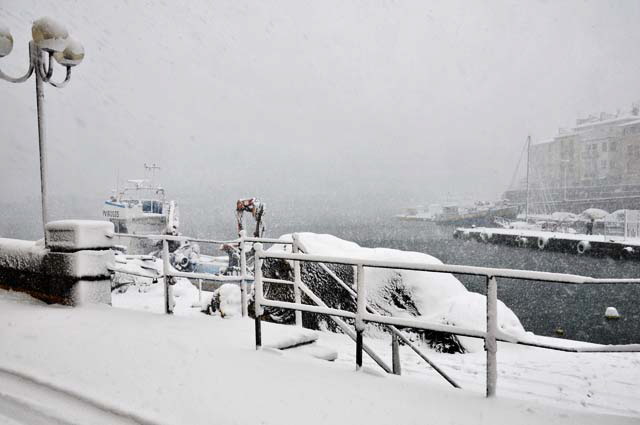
{"points": [[142, 366], [130, 363]]}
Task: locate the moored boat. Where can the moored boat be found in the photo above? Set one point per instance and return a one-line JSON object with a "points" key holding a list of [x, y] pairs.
{"points": [[481, 213], [141, 208]]}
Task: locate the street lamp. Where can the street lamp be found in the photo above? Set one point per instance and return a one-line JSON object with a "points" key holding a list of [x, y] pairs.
{"points": [[50, 41]]}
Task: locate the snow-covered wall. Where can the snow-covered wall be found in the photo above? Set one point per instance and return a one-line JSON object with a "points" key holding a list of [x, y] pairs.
{"points": [[72, 268]]}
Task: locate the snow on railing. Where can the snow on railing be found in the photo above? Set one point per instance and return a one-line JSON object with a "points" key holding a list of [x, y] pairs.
{"points": [[244, 243], [363, 312], [396, 334], [363, 315]]}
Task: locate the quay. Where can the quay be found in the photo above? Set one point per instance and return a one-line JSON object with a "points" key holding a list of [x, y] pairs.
{"points": [[577, 243]]}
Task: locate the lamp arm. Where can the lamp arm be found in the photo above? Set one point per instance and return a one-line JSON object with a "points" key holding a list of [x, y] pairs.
{"points": [[63, 83], [49, 68], [25, 77]]}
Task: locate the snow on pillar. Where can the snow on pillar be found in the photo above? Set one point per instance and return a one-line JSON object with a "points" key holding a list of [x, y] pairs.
{"points": [[72, 268]]}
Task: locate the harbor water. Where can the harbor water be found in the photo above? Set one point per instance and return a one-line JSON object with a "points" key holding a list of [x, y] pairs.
{"points": [[551, 309]]}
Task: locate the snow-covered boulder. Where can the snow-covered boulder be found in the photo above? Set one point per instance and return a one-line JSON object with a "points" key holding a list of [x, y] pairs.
{"points": [[432, 297]]}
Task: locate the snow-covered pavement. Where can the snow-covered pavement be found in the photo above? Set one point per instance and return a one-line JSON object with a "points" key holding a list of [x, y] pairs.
{"points": [[193, 368]]}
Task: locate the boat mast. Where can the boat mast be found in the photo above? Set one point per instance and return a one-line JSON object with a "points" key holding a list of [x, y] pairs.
{"points": [[526, 205], [153, 167]]}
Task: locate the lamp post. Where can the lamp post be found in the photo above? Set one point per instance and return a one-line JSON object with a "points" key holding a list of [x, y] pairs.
{"points": [[50, 41]]}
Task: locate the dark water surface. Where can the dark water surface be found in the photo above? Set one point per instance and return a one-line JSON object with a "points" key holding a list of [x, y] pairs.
{"points": [[542, 307]]}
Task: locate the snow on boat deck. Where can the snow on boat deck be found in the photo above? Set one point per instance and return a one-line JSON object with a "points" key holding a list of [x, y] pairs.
{"points": [[201, 369]]}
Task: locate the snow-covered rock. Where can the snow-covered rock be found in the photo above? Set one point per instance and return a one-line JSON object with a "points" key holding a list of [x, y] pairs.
{"points": [[432, 297], [611, 313]]}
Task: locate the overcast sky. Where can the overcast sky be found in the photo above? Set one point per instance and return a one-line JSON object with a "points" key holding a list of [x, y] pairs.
{"points": [[304, 103]]}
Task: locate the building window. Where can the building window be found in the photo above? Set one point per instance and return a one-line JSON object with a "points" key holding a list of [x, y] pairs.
{"points": [[604, 146], [603, 164], [613, 146]]}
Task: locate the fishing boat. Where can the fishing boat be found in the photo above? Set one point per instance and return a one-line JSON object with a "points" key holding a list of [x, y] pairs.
{"points": [[141, 208]]}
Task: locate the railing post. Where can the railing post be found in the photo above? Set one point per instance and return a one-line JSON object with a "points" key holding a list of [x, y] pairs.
{"points": [[395, 354], [168, 290], [490, 343], [361, 302], [258, 293], [297, 279], [243, 272]]}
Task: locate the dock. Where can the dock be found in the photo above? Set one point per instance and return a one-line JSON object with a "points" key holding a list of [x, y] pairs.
{"points": [[577, 243]]}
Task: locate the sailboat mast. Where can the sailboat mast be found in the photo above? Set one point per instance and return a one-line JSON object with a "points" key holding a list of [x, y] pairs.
{"points": [[526, 205]]}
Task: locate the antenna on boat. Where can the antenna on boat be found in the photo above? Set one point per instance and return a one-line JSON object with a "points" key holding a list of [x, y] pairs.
{"points": [[153, 167]]}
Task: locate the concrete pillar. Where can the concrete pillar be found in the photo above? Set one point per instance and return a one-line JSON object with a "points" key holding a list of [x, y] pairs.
{"points": [[72, 269]]}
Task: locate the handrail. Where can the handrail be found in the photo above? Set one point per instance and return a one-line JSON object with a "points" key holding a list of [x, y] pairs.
{"points": [[180, 238], [455, 269], [177, 238], [362, 315], [364, 312], [243, 242], [394, 331]]}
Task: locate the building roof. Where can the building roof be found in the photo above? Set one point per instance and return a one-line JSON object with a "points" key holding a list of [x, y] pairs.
{"points": [[605, 122]]}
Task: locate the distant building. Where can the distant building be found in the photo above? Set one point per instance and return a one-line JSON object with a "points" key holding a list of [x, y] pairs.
{"points": [[595, 164]]}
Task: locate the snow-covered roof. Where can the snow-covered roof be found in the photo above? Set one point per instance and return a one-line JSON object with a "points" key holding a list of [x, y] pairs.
{"points": [[604, 122]]}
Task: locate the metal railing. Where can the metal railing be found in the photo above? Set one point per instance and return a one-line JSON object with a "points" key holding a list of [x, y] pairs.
{"points": [[244, 244], [364, 314]]}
